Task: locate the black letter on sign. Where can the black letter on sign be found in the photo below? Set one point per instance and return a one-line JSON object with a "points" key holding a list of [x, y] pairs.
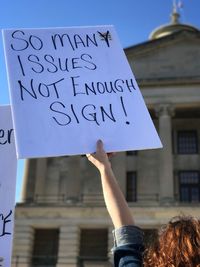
{"points": [[106, 37], [7, 138], [35, 59], [36, 42], [25, 42], [104, 113], [90, 115], [2, 134], [131, 85], [5, 221], [33, 94], [67, 117]]}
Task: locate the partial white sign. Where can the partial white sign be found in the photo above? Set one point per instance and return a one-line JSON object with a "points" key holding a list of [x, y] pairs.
{"points": [[8, 169], [70, 87]]}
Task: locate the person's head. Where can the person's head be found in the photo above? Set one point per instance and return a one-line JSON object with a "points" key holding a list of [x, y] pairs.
{"points": [[177, 245]]}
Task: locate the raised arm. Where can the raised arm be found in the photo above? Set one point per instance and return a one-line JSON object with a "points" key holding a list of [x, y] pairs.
{"points": [[114, 199]]}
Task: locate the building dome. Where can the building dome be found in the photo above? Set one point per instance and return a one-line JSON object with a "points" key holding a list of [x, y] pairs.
{"points": [[173, 26]]}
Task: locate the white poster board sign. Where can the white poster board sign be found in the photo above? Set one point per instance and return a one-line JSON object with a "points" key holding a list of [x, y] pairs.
{"points": [[8, 168], [70, 87]]}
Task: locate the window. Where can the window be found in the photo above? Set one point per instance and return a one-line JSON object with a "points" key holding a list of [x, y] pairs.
{"points": [[131, 153], [131, 186], [45, 249], [93, 245], [187, 142], [189, 182]]}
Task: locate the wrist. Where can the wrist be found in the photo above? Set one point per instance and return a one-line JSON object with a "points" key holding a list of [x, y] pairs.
{"points": [[105, 167]]}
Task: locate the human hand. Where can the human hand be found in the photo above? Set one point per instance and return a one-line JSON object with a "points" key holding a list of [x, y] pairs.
{"points": [[100, 159]]}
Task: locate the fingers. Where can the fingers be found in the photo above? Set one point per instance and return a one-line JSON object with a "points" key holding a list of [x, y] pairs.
{"points": [[99, 155], [100, 159], [111, 154], [100, 146], [88, 156], [100, 151]]}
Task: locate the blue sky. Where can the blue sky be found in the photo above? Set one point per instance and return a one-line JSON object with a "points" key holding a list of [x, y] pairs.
{"points": [[133, 20]]}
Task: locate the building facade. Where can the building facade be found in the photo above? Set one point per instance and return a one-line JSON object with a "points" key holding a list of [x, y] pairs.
{"points": [[62, 220]]}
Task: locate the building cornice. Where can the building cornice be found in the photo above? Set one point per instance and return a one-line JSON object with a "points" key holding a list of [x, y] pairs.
{"points": [[157, 82], [161, 42]]}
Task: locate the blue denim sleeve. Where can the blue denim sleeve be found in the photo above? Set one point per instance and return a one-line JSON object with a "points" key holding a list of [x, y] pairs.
{"points": [[128, 246]]}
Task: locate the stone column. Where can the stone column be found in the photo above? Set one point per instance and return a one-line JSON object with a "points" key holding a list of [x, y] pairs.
{"points": [[119, 167], [68, 246], [165, 164], [40, 177], [73, 179], [25, 180], [29, 180], [23, 246]]}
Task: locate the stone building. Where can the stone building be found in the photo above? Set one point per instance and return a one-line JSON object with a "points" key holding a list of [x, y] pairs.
{"points": [[62, 220]]}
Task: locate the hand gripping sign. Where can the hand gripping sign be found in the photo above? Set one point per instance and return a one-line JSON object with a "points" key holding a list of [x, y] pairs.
{"points": [[70, 87]]}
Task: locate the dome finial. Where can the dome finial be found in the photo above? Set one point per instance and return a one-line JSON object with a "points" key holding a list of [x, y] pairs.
{"points": [[175, 15], [175, 25]]}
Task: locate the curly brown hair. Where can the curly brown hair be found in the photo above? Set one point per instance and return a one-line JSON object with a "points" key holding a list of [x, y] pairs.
{"points": [[177, 245]]}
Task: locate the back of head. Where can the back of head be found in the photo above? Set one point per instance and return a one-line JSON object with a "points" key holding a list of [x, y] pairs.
{"points": [[178, 244]]}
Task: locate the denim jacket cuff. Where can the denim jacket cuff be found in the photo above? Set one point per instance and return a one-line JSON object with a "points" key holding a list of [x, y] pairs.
{"points": [[128, 234]]}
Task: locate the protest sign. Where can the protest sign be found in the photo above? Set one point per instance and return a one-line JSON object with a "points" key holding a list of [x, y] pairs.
{"points": [[70, 87], [8, 168]]}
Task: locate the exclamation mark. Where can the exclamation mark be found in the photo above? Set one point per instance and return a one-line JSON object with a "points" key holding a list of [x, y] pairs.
{"points": [[123, 107]]}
